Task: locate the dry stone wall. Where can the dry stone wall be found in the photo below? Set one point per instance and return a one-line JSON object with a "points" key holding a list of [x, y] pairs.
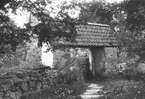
{"points": [[15, 83]]}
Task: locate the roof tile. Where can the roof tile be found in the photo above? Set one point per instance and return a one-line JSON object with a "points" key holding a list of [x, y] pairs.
{"points": [[93, 35]]}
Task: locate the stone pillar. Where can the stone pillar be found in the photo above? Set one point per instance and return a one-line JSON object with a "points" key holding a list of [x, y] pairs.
{"points": [[111, 56]]}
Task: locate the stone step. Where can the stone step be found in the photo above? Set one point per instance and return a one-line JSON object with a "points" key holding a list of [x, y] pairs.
{"points": [[93, 90], [90, 92], [90, 96], [95, 86]]}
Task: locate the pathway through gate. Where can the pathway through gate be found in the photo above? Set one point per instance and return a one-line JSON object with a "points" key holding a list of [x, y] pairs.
{"points": [[92, 91]]}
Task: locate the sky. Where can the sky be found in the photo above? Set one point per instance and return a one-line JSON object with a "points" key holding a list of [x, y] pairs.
{"points": [[22, 17]]}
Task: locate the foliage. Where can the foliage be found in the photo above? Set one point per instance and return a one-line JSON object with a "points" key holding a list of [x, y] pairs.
{"points": [[96, 11], [3, 3], [71, 72], [10, 34], [130, 26], [9, 60], [123, 89], [124, 68], [70, 76], [11, 39], [62, 85], [126, 20], [71, 83], [32, 55], [133, 73], [49, 28], [42, 83], [135, 14], [25, 56]]}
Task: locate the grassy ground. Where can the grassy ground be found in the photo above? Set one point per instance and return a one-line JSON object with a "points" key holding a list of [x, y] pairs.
{"points": [[122, 89]]}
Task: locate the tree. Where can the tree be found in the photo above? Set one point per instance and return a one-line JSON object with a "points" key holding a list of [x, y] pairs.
{"points": [[97, 11], [10, 37], [127, 20], [62, 26], [10, 34], [132, 28], [3, 3], [50, 28]]}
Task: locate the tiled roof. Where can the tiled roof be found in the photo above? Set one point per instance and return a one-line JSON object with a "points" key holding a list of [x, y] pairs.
{"points": [[93, 35]]}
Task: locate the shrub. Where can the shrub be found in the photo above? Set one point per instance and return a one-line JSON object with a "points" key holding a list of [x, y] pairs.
{"points": [[123, 89], [71, 78], [133, 74], [70, 84], [65, 84], [80, 64], [123, 67]]}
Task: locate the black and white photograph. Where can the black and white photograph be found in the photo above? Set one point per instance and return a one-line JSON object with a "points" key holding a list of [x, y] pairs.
{"points": [[72, 49]]}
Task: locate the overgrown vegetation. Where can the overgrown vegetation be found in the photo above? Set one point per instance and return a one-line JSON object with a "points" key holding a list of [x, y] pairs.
{"points": [[41, 83], [66, 85], [123, 89], [126, 19]]}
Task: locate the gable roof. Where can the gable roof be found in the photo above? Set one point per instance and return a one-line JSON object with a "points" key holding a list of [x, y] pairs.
{"points": [[93, 35]]}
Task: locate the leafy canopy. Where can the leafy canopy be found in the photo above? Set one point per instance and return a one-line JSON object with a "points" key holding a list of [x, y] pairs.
{"points": [[127, 19], [49, 28]]}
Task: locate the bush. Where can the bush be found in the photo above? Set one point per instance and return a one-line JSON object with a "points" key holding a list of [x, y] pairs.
{"points": [[66, 84], [123, 89], [70, 80], [124, 68], [133, 74]]}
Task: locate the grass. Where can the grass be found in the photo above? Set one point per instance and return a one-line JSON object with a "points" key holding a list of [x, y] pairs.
{"points": [[58, 92], [123, 89]]}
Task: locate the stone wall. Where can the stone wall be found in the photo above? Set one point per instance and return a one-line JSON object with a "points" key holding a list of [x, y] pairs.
{"points": [[15, 83], [111, 59]]}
